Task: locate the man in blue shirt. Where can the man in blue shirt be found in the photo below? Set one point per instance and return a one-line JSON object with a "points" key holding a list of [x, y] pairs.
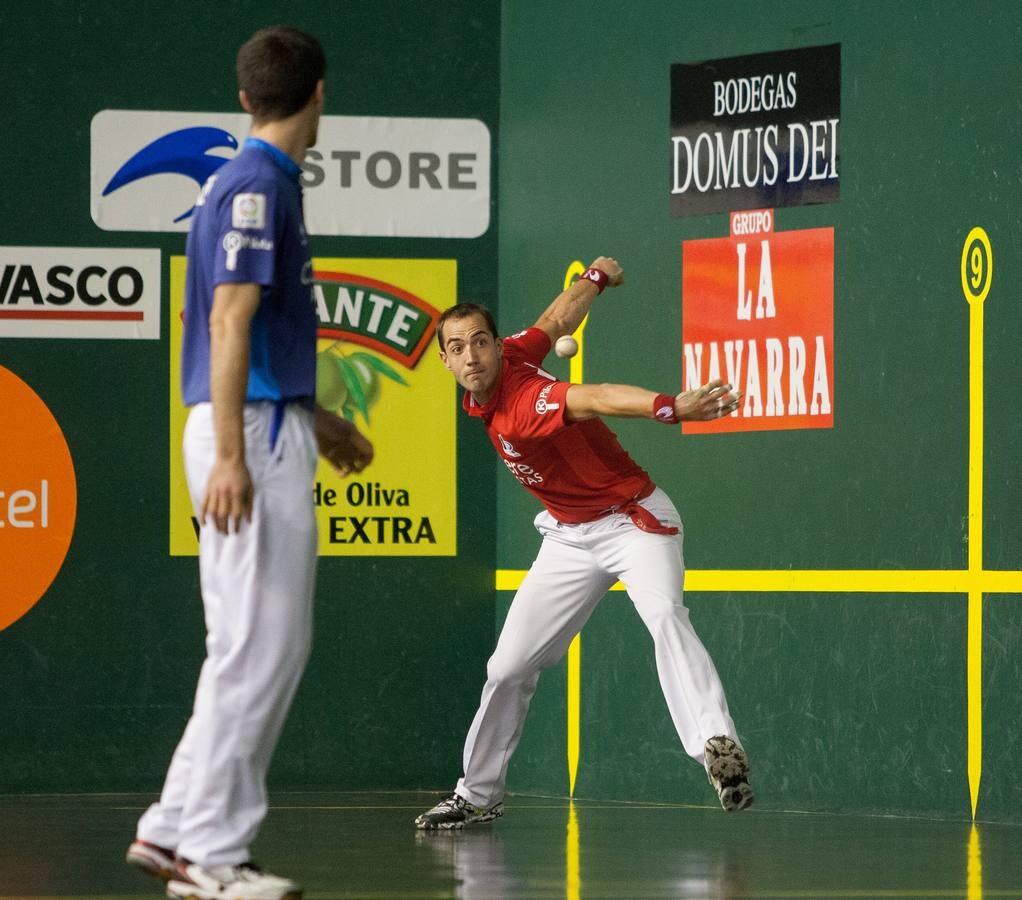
{"points": [[249, 376]]}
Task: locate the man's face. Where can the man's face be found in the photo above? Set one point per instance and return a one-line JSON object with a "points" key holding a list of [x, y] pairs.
{"points": [[472, 355]]}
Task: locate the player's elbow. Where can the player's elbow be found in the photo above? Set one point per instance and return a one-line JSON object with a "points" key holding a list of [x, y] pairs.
{"points": [[586, 401]]}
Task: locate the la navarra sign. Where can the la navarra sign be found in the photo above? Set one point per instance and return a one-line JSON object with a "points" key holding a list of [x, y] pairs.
{"points": [[758, 312]]}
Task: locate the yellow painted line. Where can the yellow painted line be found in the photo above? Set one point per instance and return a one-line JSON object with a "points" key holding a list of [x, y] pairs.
{"points": [[848, 581], [574, 710], [574, 714], [977, 274], [974, 882], [974, 662], [869, 893], [975, 695], [852, 581], [573, 877], [1000, 582]]}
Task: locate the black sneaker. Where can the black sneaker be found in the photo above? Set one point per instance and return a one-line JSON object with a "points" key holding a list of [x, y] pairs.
{"points": [[728, 771], [457, 812]]}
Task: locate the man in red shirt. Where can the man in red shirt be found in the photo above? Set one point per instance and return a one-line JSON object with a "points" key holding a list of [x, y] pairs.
{"points": [[604, 520]]}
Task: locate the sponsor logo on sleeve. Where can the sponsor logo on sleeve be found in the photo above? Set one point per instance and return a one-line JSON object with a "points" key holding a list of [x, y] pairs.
{"points": [[542, 404], [234, 242], [249, 211]]}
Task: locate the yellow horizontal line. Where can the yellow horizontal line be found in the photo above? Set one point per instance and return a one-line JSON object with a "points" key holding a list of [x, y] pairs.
{"points": [[849, 581]]}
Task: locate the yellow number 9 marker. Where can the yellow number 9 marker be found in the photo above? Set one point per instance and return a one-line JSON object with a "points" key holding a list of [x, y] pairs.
{"points": [[977, 267], [977, 257]]}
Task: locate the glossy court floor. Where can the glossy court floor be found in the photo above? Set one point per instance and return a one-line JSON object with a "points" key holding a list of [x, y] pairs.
{"points": [[347, 845]]}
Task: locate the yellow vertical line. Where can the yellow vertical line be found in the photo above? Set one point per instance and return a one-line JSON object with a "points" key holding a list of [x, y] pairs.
{"points": [[573, 880], [974, 875], [975, 438], [574, 723], [574, 714], [974, 662], [975, 680]]}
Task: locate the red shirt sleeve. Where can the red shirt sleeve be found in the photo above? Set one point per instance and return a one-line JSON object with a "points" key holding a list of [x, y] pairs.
{"points": [[531, 345], [538, 407], [534, 402]]}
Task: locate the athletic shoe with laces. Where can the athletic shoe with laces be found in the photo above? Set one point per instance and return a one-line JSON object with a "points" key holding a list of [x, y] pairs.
{"points": [[242, 882], [728, 770], [151, 858], [456, 812]]}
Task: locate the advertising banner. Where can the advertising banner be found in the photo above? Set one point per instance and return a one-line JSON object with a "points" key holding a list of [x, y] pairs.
{"points": [[367, 175], [756, 131], [38, 498], [377, 365], [79, 292], [758, 312]]}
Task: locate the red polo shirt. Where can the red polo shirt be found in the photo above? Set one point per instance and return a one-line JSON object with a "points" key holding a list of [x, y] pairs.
{"points": [[578, 470]]}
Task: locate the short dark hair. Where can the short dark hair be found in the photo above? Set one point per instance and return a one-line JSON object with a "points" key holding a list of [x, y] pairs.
{"points": [[278, 69], [460, 311]]}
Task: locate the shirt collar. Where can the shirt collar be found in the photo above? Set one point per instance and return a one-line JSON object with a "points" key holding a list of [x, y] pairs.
{"points": [[473, 408], [283, 161]]}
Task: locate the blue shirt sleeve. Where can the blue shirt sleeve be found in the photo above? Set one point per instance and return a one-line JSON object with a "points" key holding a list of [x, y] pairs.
{"points": [[246, 235]]}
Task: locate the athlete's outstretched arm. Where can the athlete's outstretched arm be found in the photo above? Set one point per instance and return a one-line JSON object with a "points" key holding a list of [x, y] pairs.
{"points": [[569, 308], [711, 401]]}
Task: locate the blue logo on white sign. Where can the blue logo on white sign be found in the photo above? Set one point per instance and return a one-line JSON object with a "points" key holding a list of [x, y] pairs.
{"points": [[184, 152]]}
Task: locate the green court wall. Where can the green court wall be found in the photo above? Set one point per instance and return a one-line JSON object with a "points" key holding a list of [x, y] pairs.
{"points": [[96, 682], [845, 701], [852, 702]]}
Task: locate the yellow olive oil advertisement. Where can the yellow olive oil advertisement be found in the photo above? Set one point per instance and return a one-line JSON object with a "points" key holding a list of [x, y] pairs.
{"points": [[377, 366]]}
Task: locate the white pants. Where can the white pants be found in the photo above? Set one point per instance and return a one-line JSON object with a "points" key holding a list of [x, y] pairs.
{"points": [[576, 566], [257, 588]]}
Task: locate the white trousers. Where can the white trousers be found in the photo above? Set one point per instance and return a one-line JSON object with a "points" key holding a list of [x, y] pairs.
{"points": [[257, 588], [576, 566]]}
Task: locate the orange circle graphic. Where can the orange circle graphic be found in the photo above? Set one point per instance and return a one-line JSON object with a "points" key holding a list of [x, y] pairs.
{"points": [[38, 498]]}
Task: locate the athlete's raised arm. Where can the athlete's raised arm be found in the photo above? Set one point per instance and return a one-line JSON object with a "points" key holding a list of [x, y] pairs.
{"points": [[570, 306]]}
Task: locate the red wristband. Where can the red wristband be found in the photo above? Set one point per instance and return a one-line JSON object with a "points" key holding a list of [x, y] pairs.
{"points": [[597, 277], [663, 409]]}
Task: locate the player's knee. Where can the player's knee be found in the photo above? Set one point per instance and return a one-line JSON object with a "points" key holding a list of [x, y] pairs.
{"points": [[503, 670], [661, 612], [291, 652]]}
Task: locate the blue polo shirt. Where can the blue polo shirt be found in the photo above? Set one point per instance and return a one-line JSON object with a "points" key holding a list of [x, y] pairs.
{"points": [[248, 227]]}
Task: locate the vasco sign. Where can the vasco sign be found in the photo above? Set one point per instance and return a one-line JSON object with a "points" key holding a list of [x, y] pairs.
{"points": [[79, 292]]}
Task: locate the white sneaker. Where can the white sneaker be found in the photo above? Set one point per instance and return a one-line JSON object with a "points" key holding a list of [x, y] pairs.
{"points": [[242, 882]]}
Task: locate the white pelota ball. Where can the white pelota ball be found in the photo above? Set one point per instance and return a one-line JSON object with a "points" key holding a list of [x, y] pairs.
{"points": [[566, 346]]}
